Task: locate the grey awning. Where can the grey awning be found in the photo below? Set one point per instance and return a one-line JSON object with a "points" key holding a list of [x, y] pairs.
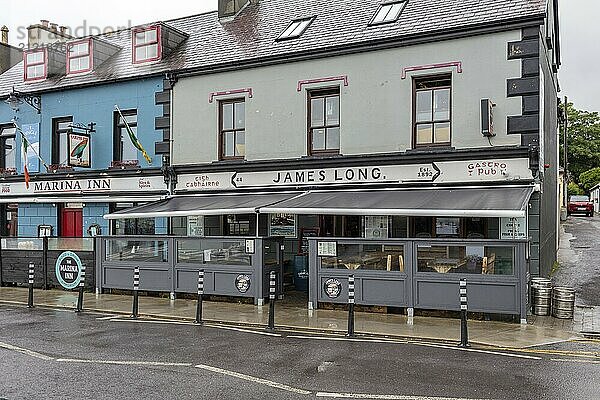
{"points": [[473, 202], [182, 206]]}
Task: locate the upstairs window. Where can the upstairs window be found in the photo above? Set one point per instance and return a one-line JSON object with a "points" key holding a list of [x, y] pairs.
{"points": [[79, 57], [146, 44], [324, 121], [8, 146], [232, 130], [431, 111], [123, 147], [61, 127], [388, 12], [36, 67], [296, 28]]}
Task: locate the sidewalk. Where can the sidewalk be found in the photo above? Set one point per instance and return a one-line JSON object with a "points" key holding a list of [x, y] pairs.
{"points": [[497, 334]]}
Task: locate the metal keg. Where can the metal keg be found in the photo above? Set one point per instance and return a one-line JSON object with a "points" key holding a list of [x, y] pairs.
{"points": [[563, 302], [541, 291]]}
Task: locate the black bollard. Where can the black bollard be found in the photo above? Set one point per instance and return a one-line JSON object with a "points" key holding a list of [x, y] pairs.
{"points": [[464, 335], [351, 306], [200, 295], [136, 287], [30, 283], [81, 287], [271, 326]]}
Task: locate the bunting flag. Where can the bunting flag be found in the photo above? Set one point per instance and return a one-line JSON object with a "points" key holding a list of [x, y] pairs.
{"points": [[134, 140], [24, 148]]}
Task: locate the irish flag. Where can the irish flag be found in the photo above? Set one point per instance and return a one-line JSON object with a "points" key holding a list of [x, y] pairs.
{"points": [[24, 159]]}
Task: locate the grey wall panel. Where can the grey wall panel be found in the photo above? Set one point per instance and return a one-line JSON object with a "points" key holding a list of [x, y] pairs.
{"points": [[153, 278], [382, 291], [223, 283]]}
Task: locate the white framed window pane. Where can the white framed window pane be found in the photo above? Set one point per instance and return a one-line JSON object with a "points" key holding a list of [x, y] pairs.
{"points": [[140, 38], [290, 29], [316, 112], [227, 116], [74, 64], [441, 104], [240, 115], [140, 53], [442, 132], [383, 11], [240, 144], [333, 138], [84, 63], [332, 110], [394, 12], [34, 58], [424, 111], [424, 133], [318, 139], [130, 118], [151, 35], [8, 131], [62, 149], [300, 28], [129, 151], [64, 125], [152, 51], [35, 71], [229, 144], [10, 153]]}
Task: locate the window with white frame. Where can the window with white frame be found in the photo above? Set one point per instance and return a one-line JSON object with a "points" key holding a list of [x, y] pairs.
{"points": [[8, 155], [296, 28], [388, 12], [79, 57], [146, 44], [35, 65]]}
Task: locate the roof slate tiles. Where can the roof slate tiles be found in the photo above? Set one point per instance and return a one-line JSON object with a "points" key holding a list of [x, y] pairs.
{"points": [[252, 35]]}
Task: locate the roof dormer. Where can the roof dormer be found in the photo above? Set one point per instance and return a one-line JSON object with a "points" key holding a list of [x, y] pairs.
{"points": [[42, 63], [84, 55], [154, 42]]}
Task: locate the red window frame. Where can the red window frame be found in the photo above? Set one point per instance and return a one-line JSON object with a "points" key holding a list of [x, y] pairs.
{"points": [[89, 55], [134, 45], [27, 65]]}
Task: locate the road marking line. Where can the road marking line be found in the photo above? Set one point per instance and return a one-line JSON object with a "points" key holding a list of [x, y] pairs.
{"points": [[107, 318], [231, 328], [575, 361], [344, 339], [253, 379], [384, 396], [417, 344], [117, 362], [547, 343], [25, 351]]}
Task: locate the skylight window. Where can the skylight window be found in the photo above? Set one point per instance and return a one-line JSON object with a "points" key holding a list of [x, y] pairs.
{"points": [[146, 44], [296, 28], [79, 57], [389, 12], [35, 65]]}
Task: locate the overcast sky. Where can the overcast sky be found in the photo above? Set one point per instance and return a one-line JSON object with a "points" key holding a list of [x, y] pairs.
{"points": [[580, 30]]}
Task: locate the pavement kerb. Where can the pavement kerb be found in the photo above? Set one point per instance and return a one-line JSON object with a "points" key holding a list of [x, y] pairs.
{"points": [[284, 328]]}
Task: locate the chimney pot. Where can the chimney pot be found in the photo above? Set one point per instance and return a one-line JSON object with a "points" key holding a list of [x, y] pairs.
{"points": [[45, 22], [54, 27], [63, 29], [4, 31]]}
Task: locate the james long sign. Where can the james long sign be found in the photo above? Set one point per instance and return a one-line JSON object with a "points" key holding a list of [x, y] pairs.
{"points": [[495, 170]]}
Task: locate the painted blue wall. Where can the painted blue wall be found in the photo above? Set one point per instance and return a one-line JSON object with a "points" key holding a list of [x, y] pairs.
{"points": [[32, 215], [92, 214], [95, 104]]}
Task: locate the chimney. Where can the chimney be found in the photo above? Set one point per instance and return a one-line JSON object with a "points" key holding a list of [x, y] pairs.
{"points": [[4, 31], [229, 8], [63, 30], [54, 27], [45, 22]]}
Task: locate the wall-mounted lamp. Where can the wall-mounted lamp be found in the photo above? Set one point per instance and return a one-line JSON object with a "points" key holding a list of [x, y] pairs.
{"points": [[16, 98]]}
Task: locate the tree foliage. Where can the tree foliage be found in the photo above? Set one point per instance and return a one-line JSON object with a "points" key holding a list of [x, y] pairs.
{"points": [[583, 143], [589, 179], [574, 189]]}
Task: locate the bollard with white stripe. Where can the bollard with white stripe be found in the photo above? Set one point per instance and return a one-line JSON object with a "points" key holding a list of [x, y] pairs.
{"points": [[30, 284], [272, 281], [200, 296], [136, 288], [351, 306], [81, 287], [464, 335]]}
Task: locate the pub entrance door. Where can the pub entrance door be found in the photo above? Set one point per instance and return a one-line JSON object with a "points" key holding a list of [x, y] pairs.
{"points": [[71, 222]]}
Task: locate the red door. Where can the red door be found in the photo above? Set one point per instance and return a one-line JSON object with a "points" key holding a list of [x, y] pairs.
{"points": [[71, 222]]}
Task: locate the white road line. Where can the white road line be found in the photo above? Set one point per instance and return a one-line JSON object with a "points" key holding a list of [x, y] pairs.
{"points": [[149, 321], [340, 339], [383, 396], [120, 362], [231, 328], [253, 379], [344, 339], [549, 343], [575, 361], [25, 351], [106, 318]]}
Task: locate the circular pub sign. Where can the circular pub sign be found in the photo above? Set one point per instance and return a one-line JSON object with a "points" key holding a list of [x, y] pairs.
{"points": [[332, 288], [242, 283], [68, 270]]}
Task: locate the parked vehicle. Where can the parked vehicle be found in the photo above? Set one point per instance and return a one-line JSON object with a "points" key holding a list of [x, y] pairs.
{"points": [[581, 205]]}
